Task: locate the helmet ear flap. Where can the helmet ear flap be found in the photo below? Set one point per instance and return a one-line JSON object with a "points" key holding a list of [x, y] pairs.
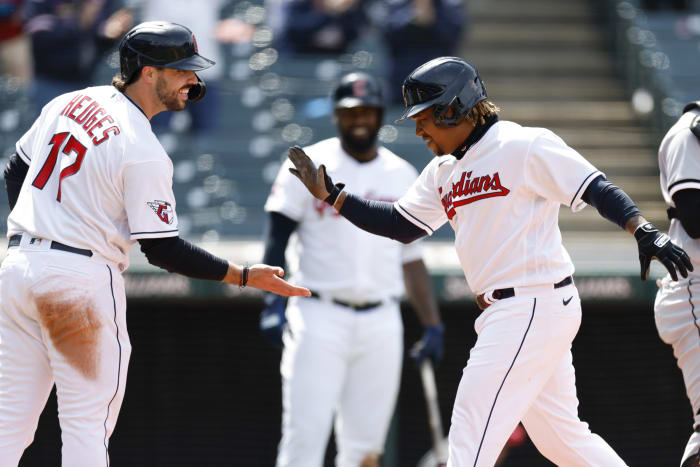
{"points": [[440, 115], [198, 91]]}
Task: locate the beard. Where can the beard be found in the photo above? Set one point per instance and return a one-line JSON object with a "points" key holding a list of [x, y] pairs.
{"points": [[171, 100], [357, 144]]}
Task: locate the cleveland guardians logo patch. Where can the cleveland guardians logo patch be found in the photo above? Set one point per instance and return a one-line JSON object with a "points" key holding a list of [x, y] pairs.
{"points": [[469, 190], [163, 210]]}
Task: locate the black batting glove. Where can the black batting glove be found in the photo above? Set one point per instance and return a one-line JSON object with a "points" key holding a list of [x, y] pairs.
{"points": [[653, 244], [430, 346], [273, 320]]}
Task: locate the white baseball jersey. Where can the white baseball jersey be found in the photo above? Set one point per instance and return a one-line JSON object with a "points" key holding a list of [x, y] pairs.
{"points": [[98, 178], [502, 200], [677, 302], [368, 267], [679, 166]]}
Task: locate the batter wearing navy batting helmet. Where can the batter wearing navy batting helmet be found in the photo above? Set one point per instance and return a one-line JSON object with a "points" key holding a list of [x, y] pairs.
{"points": [[343, 345], [677, 304], [500, 185], [89, 179]]}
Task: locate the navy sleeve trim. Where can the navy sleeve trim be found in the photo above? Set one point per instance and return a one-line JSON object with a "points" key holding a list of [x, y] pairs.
{"points": [[427, 227], [24, 153], [685, 180], [154, 232], [582, 185]]}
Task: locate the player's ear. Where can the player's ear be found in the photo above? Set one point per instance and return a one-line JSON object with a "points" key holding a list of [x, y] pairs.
{"points": [[149, 73]]}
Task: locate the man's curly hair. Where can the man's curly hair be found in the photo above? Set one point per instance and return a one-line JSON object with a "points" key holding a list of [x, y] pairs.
{"points": [[481, 111]]}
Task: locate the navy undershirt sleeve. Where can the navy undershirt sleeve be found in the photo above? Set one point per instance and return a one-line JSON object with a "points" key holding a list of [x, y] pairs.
{"points": [[687, 208], [15, 173], [276, 236], [611, 202], [380, 218], [180, 256]]}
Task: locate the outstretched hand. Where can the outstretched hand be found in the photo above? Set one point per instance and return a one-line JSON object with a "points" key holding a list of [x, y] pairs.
{"points": [[315, 179], [264, 277], [653, 244]]}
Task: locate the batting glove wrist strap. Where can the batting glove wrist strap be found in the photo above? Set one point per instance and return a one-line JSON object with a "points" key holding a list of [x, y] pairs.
{"points": [[334, 191], [653, 244]]}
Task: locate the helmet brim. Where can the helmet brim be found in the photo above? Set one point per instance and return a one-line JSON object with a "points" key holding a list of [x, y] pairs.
{"points": [[414, 110], [194, 63]]}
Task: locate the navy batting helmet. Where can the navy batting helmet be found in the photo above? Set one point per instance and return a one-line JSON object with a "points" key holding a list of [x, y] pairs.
{"points": [[445, 82], [357, 89], [163, 45]]}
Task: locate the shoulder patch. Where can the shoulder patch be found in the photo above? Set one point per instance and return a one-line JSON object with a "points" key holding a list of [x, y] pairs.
{"points": [[163, 210]]}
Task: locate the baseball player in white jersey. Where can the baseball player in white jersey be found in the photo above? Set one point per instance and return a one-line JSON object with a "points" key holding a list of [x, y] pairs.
{"points": [[343, 345], [89, 179], [500, 185], [677, 306]]}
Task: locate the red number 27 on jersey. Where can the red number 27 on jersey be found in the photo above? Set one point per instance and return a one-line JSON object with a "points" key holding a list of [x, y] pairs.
{"points": [[73, 145]]}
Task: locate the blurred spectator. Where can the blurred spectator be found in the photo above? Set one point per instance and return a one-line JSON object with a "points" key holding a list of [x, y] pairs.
{"points": [[315, 26], [210, 30], [417, 31], [68, 40], [15, 48]]}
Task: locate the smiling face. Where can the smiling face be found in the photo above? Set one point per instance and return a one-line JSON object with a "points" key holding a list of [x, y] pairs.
{"points": [[172, 87], [358, 128], [440, 141]]}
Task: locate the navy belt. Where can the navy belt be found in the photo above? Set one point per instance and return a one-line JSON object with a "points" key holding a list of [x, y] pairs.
{"points": [[355, 306], [15, 240], [500, 294]]}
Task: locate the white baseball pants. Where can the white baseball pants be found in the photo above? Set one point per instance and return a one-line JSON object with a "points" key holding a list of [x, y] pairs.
{"points": [[520, 369], [62, 321], [338, 361], [676, 312]]}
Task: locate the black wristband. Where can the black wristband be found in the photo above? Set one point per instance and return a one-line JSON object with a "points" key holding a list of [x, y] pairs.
{"points": [[335, 192], [244, 277]]}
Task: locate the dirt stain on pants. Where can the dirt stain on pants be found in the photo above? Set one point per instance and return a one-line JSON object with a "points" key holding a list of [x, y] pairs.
{"points": [[74, 328]]}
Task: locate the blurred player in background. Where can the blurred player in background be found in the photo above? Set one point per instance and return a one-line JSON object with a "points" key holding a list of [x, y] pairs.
{"points": [[677, 306], [343, 345], [89, 179], [500, 186]]}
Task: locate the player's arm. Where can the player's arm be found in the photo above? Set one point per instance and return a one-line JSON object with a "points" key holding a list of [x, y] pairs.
{"points": [[615, 205], [15, 173], [420, 293], [182, 257], [376, 217], [276, 236], [686, 211]]}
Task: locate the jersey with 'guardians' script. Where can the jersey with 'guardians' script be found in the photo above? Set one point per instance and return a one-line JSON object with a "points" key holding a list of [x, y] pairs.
{"points": [[502, 199]]}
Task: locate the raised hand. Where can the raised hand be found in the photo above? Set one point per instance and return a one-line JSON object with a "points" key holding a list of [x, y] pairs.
{"points": [[316, 180]]}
